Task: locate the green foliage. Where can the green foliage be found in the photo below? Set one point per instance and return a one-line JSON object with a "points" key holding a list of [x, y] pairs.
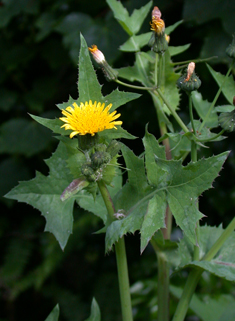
{"points": [[173, 183], [95, 312], [131, 24], [54, 315], [222, 264], [217, 309]]}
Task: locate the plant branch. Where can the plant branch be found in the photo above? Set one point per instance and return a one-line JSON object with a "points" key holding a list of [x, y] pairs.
{"points": [[122, 266]]}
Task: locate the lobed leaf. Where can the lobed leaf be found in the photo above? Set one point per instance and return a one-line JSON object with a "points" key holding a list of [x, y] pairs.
{"points": [[43, 193], [222, 265]]}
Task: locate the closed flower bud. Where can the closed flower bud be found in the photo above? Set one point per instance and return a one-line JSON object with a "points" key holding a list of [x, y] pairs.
{"points": [[113, 148], [99, 158], [76, 186], [189, 81], [158, 41], [109, 72], [230, 51], [100, 148], [88, 172]]}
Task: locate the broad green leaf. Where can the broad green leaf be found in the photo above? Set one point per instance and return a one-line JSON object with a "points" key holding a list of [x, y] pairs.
{"points": [[182, 185], [54, 315], [202, 107], [222, 265], [227, 84], [217, 309], [131, 24], [21, 136], [95, 311], [43, 193], [177, 50], [154, 218], [116, 133]]}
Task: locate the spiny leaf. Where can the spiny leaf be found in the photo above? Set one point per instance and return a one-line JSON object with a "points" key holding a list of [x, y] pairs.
{"points": [[43, 193], [182, 186], [222, 265]]}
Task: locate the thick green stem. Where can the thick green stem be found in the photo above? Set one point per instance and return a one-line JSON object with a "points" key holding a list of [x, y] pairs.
{"points": [[122, 266], [173, 112], [163, 287], [215, 99]]}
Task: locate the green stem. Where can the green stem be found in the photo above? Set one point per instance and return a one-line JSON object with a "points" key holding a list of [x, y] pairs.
{"points": [[173, 112], [156, 71], [186, 62], [194, 159], [133, 86], [189, 289], [163, 287], [215, 99], [122, 266], [161, 73]]}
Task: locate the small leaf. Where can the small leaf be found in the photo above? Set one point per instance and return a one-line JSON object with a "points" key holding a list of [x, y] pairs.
{"points": [[54, 315], [171, 28], [95, 312], [227, 84]]}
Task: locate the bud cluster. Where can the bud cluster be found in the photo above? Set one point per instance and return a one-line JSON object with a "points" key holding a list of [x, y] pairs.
{"points": [[100, 156]]}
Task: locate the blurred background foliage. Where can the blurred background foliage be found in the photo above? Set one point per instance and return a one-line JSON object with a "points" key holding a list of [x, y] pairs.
{"points": [[39, 47]]}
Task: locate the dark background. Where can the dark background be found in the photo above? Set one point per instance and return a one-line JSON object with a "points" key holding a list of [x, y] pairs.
{"points": [[39, 47]]}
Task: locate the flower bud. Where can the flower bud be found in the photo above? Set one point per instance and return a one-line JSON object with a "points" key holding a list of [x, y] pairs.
{"points": [[109, 72], [99, 158], [158, 41], [113, 148], [88, 172], [189, 80], [230, 51], [100, 148]]}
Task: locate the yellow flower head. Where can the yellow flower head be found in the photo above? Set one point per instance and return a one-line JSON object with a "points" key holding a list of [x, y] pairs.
{"points": [[89, 118], [97, 54]]}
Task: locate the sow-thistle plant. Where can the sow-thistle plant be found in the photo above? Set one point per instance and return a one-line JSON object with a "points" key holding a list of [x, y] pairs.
{"points": [[162, 182]]}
